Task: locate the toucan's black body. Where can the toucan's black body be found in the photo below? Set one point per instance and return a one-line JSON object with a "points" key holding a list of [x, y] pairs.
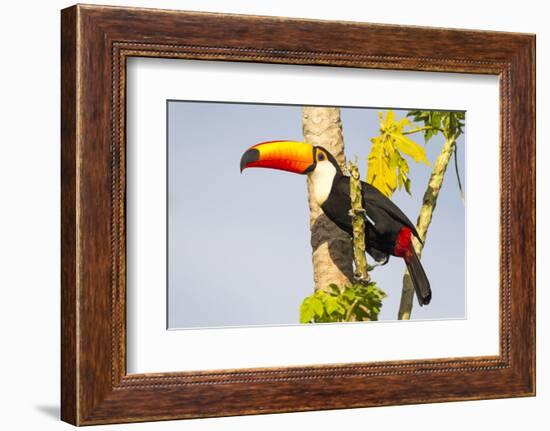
{"points": [[384, 219], [388, 230]]}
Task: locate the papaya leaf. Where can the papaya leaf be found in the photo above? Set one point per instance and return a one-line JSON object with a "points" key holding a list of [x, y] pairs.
{"points": [[343, 303], [449, 123], [349, 294], [317, 306], [332, 305], [387, 169], [408, 186], [306, 312], [410, 148], [334, 288], [379, 167]]}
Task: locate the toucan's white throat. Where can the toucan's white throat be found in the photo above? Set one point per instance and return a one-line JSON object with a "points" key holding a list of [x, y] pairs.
{"points": [[322, 178]]}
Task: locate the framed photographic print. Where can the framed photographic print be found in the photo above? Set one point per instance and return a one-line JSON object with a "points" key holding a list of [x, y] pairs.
{"points": [[264, 214]]}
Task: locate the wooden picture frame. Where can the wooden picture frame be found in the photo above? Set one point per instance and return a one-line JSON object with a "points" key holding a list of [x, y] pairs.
{"points": [[95, 43]]}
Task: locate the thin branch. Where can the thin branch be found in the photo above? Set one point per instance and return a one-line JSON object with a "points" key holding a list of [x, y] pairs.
{"points": [[350, 310], [421, 129], [424, 220], [357, 213], [458, 173]]}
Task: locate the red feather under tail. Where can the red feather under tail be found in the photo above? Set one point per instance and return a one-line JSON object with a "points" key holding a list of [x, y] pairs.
{"points": [[404, 248]]}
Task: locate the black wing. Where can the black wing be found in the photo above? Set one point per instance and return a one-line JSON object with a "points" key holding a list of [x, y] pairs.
{"points": [[376, 200]]}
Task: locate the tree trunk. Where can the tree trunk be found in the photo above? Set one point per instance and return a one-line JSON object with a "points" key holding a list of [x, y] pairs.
{"points": [[332, 252], [424, 219]]}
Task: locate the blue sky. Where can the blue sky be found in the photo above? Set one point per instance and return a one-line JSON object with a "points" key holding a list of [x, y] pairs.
{"points": [[239, 246]]}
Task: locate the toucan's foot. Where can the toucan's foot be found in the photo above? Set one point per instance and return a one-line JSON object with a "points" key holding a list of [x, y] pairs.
{"points": [[360, 211], [380, 263], [362, 280]]}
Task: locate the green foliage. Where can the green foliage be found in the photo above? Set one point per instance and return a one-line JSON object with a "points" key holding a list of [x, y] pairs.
{"points": [[357, 302], [449, 123], [387, 168]]}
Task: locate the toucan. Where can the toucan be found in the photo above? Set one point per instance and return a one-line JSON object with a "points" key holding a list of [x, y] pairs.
{"points": [[388, 231]]}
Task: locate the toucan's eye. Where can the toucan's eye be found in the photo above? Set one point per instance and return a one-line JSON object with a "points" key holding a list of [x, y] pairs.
{"points": [[320, 157]]}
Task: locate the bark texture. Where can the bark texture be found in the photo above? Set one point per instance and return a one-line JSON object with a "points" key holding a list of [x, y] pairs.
{"points": [[424, 219], [332, 252]]}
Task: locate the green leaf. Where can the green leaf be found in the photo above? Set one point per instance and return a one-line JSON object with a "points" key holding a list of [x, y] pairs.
{"points": [[359, 301], [334, 288], [435, 120], [350, 295], [306, 312], [317, 306], [408, 185], [333, 305], [450, 123], [428, 134]]}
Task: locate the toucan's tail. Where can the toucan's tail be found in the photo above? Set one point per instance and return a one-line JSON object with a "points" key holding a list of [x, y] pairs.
{"points": [[418, 276]]}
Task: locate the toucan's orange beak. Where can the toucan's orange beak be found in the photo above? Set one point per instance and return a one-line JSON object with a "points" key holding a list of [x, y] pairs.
{"points": [[288, 156]]}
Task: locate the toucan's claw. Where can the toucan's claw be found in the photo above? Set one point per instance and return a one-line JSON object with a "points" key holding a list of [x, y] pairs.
{"points": [[380, 263], [359, 211], [362, 280]]}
